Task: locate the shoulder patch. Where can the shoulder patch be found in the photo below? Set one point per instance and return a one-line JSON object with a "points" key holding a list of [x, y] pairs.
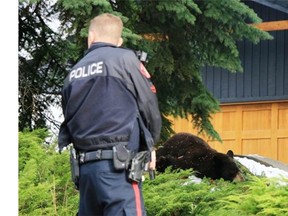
{"points": [[153, 89], [144, 72]]}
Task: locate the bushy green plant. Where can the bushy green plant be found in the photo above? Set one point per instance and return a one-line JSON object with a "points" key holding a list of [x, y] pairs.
{"points": [[45, 186], [172, 194]]}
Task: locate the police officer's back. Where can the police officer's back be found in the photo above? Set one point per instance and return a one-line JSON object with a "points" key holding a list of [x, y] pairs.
{"points": [[104, 97]]}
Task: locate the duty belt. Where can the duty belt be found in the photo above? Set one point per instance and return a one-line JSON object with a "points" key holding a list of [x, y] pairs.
{"points": [[95, 155]]}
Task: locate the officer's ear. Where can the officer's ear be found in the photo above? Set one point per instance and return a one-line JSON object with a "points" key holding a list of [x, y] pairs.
{"points": [[90, 39], [120, 42]]}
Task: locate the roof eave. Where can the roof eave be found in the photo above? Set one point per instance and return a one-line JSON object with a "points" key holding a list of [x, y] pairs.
{"points": [[273, 5]]}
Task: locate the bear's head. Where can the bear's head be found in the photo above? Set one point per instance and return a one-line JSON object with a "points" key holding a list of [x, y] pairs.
{"points": [[226, 167]]}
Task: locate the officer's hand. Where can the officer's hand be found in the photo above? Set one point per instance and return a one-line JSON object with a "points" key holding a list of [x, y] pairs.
{"points": [[152, 163]]}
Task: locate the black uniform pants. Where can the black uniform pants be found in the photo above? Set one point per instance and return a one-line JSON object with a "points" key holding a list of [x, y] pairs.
{"points": [[106, 192]]}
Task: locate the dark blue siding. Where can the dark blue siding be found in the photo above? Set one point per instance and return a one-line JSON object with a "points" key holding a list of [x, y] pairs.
{"points": [[265, 65], [285, 69]]}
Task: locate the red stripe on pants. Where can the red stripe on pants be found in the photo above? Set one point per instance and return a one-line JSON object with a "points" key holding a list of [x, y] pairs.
{"points": [[137, 198]]}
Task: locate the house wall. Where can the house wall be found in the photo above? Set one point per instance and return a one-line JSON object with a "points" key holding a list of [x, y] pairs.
{"points": [[265, 67], [264, 77], [254, 104], [255, 128]]}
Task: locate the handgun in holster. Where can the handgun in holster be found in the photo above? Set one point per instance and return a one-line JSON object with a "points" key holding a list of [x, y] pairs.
{"points": [[139, 165], [140, 162], [74, 164]]}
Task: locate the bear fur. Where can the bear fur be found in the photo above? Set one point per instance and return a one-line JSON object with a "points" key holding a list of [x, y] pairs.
{"points": [[185, 151]]}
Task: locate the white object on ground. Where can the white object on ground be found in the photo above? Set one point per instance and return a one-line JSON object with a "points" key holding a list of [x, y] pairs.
{"points": [[259, 169]]}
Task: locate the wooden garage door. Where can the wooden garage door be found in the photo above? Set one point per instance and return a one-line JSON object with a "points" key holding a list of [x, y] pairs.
{"points": [[260, 128]]}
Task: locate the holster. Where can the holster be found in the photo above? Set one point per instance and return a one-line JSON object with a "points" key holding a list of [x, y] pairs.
{"points": [[138, 166], [74, 164], [140, 162]]}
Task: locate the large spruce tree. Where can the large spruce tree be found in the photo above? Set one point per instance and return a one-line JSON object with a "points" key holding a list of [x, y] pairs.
{"points": [[180, 36]]}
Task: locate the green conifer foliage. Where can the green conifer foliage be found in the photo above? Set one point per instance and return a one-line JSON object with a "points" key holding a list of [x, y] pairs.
{"points": [[173, 193], [185, 36], [45, 186]]}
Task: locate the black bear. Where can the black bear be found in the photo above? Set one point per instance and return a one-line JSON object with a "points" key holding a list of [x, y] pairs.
{"points": [[185, 151]]}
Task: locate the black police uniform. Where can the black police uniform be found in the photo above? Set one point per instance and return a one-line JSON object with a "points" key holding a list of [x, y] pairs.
{"points": [[101, 98]]}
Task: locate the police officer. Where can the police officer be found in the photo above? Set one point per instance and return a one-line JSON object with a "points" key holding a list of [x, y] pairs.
{"points": [[102, 98]]}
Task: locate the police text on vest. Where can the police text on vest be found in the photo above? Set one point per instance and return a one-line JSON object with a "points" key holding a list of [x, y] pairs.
{"points": [[87, 70]]}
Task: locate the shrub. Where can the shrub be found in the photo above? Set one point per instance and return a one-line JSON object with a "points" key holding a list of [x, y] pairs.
{"points": [[173, 194], [45, 186]]}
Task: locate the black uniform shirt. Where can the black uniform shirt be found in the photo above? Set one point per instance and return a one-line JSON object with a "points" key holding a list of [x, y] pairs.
{"points": [[101, 97]]}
